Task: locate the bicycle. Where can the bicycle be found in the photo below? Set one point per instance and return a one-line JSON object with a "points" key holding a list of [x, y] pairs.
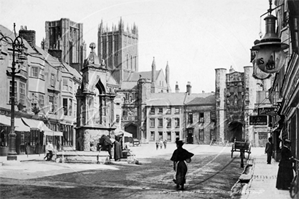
{"points": [[294, 189]]}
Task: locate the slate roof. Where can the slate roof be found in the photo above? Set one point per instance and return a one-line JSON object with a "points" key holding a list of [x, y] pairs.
{"points": [[179, 99], [205, 100]]}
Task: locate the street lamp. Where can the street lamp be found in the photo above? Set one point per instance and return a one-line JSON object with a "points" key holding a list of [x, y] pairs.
{"points": [[269, 50], [19, 48]]}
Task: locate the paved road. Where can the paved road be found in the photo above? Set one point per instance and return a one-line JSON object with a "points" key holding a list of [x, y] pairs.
{"points": [[211, 174]]}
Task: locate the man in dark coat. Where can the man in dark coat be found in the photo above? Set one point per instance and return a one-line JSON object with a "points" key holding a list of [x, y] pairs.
{"points": [[106, 144], [180, 155], [285, 172], [269, 150]]}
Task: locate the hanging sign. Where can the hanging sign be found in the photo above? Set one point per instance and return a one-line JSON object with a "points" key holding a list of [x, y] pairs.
{"points": [[258, 120], [270, 60], [267, 111]]}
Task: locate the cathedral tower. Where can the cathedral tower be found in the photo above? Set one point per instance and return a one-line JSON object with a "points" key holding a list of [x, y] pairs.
{"points": [[118, 48]]}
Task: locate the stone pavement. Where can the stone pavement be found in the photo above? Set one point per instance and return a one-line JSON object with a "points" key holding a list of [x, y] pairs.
{"points": [[263, 182]]}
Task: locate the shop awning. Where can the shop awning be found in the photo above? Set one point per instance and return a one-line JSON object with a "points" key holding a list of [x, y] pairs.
{"points": [[122, 132], [4, 120], [40, 125], [20, 126]]}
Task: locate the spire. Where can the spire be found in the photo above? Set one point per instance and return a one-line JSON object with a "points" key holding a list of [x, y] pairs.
{"points": [[167, 75], [153, 76]]}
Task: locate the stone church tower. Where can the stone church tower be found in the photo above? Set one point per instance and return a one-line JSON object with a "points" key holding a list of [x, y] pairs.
{"points": [[64, 40], [95, 105], [119, 49]]}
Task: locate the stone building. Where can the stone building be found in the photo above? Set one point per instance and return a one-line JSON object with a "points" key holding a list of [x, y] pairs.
{"points": [[64, 40], [237, 99], [44, 107], [284, 90], [118, 47], [186, 115]]}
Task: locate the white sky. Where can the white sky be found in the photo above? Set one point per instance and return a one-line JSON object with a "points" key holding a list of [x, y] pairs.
{"points": [[194, 36]]}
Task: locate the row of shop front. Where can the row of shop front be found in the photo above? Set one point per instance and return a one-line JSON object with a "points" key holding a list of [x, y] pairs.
{"points": [[32, 135]]}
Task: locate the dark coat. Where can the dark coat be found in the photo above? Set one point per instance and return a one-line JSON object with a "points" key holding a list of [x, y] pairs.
{"points": [[285, 171], [269, 148]]}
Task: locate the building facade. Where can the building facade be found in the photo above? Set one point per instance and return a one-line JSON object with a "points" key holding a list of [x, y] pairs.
{"points": [[284, 90], [41, 112]]}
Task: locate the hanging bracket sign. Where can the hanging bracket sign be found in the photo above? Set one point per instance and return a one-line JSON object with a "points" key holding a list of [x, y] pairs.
{"points": [[259, 120]]}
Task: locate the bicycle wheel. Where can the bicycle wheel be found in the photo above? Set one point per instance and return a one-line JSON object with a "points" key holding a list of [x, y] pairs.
{"points": [[293, 188]]}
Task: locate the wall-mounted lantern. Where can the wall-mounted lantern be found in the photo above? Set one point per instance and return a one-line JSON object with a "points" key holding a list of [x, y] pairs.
{"points": [[270, 56]]}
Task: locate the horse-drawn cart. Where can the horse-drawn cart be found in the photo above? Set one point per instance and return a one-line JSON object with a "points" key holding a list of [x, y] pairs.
{"points": [[240, 146]]}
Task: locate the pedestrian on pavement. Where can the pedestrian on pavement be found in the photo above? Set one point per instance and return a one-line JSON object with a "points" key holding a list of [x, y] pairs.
{"points": [[157, 144], [269, 150], [49, 151], [285, 171], [179, 157], [165, 144], [117, 149], [161, 143]]}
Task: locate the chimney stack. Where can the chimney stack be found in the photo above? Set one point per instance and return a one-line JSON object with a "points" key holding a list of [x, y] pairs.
{"points": [[188, 88], [176, 88], [28, 35]]}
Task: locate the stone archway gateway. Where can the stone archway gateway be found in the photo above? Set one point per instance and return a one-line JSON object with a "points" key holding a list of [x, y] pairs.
{"points": [[235, 131]]}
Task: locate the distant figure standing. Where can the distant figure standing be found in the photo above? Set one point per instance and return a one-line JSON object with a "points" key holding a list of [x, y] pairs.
{"points": [[285, 171], [117, 149], [157, 144], [180, 155], [161, 144], [49, 151], [165, 144], [269, 150]]}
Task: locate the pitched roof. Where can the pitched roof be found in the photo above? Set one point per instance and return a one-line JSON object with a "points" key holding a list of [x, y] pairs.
{"points": [[134, 77], [177, 99], [209, 99]]}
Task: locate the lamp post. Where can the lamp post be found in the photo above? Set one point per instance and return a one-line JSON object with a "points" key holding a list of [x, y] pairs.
{"points": [[17, 48], [269, 55]]}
